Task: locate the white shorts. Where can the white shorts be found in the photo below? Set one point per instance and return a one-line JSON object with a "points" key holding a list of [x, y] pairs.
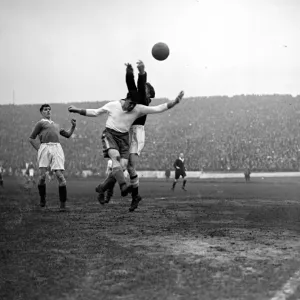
{"points": [[51, 155], [31, 172], [137, 139]]}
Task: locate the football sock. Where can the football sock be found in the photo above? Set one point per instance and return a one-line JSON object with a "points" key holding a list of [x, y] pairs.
{"points": [[174, 183], [42, 191], [134, 181], [119, 176], [109, 183], [184, 182], [62, 190]]}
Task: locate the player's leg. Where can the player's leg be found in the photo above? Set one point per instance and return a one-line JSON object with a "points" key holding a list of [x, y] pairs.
{"points": [[62, 188], [43, 163], [42, 186], [134, 181], [111, 185], [57, 165], [177, 175], [137, 142], [184, 181], [108, 142]]}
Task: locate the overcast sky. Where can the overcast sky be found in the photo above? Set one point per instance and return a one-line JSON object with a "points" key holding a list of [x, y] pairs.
{"points": [[75, 50]]}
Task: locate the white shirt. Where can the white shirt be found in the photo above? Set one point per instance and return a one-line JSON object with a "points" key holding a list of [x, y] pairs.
{"points": [[120, 120]]}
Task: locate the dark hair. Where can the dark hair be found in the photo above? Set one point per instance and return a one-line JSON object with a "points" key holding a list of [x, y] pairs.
{"points": [[151, 90], [44, 105]]}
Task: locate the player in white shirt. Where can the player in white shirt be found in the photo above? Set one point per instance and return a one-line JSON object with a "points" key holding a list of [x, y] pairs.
{"points": [[115, 137]]}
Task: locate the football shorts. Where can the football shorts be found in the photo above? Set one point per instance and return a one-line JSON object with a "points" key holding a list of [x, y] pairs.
{"points": [[112, 139], [137, 139], [179, 173], [51, 155]]}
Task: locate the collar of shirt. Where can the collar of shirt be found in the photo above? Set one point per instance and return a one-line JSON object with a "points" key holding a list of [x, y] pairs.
{"points": [[50, 121], [182, 159]]}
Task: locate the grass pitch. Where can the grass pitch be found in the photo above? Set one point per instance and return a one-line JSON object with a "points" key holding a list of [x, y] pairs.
{"points": [[222, 239]]}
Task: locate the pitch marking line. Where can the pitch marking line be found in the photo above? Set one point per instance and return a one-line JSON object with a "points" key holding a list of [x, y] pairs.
{"points": [[289, 288]]}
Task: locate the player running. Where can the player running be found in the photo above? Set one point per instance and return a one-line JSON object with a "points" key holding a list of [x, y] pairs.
{"points": [[137, 131], [50, 153], [179, 171], [115, 137]]}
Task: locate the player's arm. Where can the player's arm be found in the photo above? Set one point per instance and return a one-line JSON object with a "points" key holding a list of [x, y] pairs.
{"points": [[32, 138], [129, 77], [68, 133], [146, 110], [142, 79], [89, 112]]}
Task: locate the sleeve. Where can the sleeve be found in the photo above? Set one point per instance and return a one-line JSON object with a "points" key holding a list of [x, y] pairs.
{"points": [[63, 133], [36, 130], [130, 81], [146, 110], [142, 88]]}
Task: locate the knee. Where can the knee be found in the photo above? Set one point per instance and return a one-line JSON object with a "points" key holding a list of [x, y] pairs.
{"points": [[131, 170], [61, 178]]}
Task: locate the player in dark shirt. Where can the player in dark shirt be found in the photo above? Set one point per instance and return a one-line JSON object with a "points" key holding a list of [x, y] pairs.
{"points": [[50, 153], [180, 170]]}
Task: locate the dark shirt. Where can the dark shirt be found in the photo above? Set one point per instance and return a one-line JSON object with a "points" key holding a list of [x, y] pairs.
{"points": [[48, 131], [141, 89], [179, 163]]}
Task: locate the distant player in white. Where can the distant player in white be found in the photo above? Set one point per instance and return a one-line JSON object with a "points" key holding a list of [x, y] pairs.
{"points": [[31, 172], [115, 137], [50, 153]]}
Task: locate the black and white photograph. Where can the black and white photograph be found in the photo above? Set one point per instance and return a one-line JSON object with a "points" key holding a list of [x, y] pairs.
{"points": [[149, 150]]}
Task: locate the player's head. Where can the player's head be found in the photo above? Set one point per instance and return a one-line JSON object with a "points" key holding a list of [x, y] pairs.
{"points": [[150, 92], [181, 155], [45, 110], [131, 100]]}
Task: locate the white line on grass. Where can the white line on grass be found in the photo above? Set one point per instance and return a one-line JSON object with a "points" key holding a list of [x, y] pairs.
{"points": [[289, 288]]}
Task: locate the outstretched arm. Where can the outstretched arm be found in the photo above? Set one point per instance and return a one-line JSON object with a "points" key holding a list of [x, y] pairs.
{"points": [[88, 112], [146, 110], [68, 133]]}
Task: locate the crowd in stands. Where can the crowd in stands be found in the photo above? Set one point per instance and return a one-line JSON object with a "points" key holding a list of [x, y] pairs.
{"points": [[215, 133]]}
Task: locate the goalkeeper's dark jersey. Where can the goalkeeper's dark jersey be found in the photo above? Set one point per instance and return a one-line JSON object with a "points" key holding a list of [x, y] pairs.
{"points": [[141, 89]]}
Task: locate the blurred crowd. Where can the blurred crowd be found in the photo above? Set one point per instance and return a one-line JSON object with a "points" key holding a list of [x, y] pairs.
{"points": [[214, 133]]}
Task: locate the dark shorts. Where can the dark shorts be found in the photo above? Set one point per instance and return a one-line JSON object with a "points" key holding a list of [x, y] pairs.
{"points": [[179, 173], [112, 139]]}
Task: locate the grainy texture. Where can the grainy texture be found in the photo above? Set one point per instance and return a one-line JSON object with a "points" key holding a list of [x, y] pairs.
{"points": [[222, 239]]}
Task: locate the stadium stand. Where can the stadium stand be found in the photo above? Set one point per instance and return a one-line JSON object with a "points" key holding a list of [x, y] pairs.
{"points": [[215, 133]]}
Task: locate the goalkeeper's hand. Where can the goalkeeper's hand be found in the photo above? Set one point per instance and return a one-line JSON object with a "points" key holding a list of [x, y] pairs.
{"points": [[129, 68]]}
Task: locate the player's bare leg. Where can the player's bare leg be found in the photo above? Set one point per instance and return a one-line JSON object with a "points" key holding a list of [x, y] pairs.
{"points": [[42, 186], [62, 188], [134, 181]]}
